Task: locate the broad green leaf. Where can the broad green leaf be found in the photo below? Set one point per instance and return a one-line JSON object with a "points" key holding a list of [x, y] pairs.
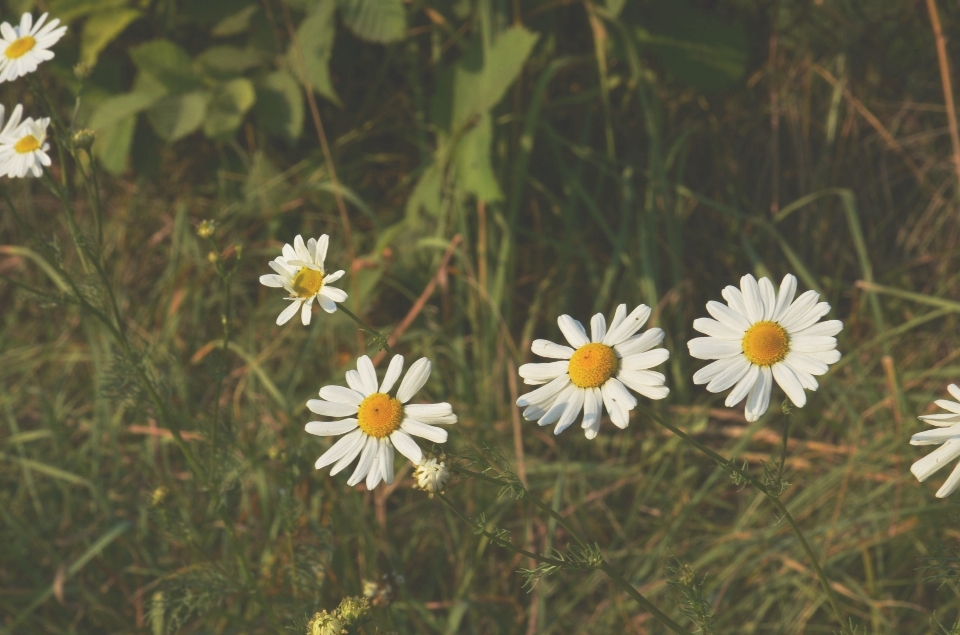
{"points": [[479, 84], [70, 10], [227, 62], [374, 20], [311, 63], [280, 105], [425, 194], [235, 24], [112, 146], [175, 116], [231, 101], [472, 161], [100, 29], [113, 109], [167, 62], [696, 47]]}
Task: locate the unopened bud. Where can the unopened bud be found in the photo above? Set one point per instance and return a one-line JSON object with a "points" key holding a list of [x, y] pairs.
{"points": [[213, 257], [324, 623], [82, 70], [158, 495], [432, 474], [84, 138], [206, 228], [353, 611]]}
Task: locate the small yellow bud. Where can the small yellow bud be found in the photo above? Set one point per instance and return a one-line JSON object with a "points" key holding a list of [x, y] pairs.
{"points": [[82, 70], [84, 138], [206, 228], [213, 256], [159, 495]]}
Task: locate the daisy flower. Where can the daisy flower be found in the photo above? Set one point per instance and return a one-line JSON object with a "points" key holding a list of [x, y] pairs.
{"points": [[594, 372], [25, 46], [23, 149], [947, 436], [300, 271], [377, 423], [760, 336]]}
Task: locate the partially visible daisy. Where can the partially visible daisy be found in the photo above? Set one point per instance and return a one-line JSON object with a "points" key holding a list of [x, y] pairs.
{"points": [[947, 436], [300, 271], [595, 373], [23, 150], [377, 422], [26, 45], [760, 336], [432, 474]]}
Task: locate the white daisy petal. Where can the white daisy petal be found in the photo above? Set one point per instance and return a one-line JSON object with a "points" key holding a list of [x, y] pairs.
{"points": [[946, 404], [799, 307], [743, 387], [545, 393], [355, 383], [954, 390], [928, 465], [592, 408], [618, 316], [640, 343], [730, 376], [331, 408], [646, 360], [827, 357], [620, 394], [799, 324], [301, 249], [366, 461], [950, 485], [320, 255], [546, 348], [543, 372], [368, 375], [734, 298], [431, 413], [335, 294], [375, 475], [619, 414], [271, 280], [571, 412], [768, 296], [940, 419], [828, 328], [751, 297], [759, 398], [630, 325], [417, 375], [393, 373], [717, 329], [331, 428], [342, 447], [327, 304], [711, 370], [598, 328], [289, 312], [712, 348], [333, 277], [405, 444], [788, 289], [420, 429], [340, 394], [386, 460], [306, 312], [573, 331], [559, 405], [725, 315], [812, 344], [790, 384], [935, 436], [806, 363]]}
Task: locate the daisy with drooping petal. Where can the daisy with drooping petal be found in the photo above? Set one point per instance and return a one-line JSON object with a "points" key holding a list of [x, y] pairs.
{"points": [[377, 423], [300, 271], [947, 436], [595, 372], [23, 149], [26, 45], [760, 336]]}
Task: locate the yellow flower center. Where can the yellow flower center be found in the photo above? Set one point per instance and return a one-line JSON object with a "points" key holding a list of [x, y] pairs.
{"points": [[592, 365], [20, 47], [379, 415], [766, 343], [307, 282], [27, 144]]}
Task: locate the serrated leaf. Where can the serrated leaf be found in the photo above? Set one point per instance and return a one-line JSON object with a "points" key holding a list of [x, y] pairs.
{"points": [[479, 83], [280, 105], [472, 161], [374, 20], [311, 64], [175, 116], [112, 146], [231, 101], [101, 28], [70, 10], [168, 63], [227, 62], [236, 23]]}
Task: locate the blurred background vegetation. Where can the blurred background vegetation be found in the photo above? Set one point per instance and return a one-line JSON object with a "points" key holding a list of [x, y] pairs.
{"points": [[481, 166]]}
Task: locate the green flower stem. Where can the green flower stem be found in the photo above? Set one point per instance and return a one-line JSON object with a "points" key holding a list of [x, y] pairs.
{"points": [[378, 337], [785, 514]]}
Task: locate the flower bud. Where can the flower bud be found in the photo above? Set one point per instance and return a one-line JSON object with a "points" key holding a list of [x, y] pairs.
{"points": [[324, 623], [432, 474], [206, 228], [84, 138], [353, 610]]}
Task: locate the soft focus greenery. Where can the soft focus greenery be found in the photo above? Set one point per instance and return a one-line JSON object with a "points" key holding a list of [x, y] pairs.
{"points": [[585, 154]]}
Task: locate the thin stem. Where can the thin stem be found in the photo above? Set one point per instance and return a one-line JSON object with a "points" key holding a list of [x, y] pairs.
{"points": [[639, 599], [785, 514], [783, 448], [378, 338]]}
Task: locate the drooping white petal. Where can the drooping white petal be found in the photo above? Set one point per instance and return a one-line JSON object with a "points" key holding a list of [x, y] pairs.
{"points": [[592, 408], [544, 393], [559, 405], [812, 343], [947, 419], [711, 370], [573, 331], [743, 387], [386, 460], [646, 360], [759, 398], [619, 414], [936, 436], [546, 348], [731, 375], [946, 404], [431, 413], [393, 373], [950, 485], [289, 312], [366, 461], [806, 363], [331, 428], [417, 375], [954, 390], [271, 280], [374, 475], [539, 373], [571, 412], [925, 467], [620, 394], [333, 293], [342, 447], [790, 384], [420, 429], [406, 445], [326, 303]]}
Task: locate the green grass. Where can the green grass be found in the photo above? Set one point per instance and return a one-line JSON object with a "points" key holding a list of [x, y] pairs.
{"points": [[625, 181]]}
